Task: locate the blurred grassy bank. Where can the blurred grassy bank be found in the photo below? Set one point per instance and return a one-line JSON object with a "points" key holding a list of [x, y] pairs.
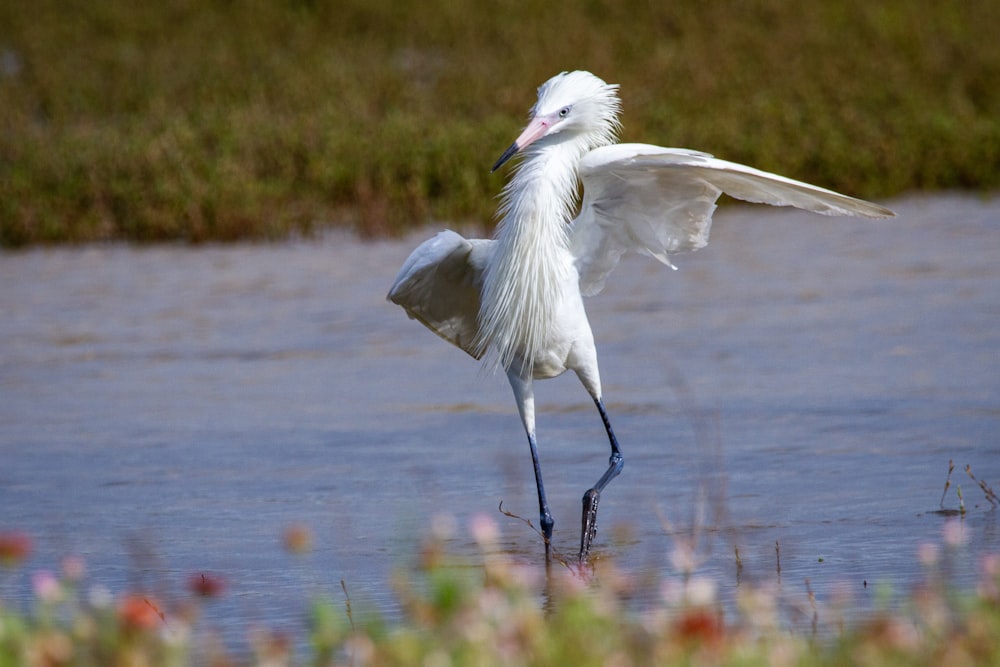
{"points": [[193, 120]]}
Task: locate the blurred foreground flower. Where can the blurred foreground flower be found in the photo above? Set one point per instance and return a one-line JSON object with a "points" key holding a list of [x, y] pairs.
{"points": [[47, 588], [138, 613], [15, 546], [955, 533], [484, 531], [699, 625], [298, 539], [206, 585], [73, 568]]}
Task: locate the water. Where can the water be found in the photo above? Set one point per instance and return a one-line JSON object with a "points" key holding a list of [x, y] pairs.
{"points": [[802, 381]]}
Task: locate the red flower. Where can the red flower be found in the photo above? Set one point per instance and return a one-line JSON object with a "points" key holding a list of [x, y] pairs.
{"points": [[15, 546], [206, 585], [298, 539], [700, 625], [136, 612]]}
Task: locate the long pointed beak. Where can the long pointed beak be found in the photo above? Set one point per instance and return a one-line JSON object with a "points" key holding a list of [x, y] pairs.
{"points": [[507, 154], [536, 130]]}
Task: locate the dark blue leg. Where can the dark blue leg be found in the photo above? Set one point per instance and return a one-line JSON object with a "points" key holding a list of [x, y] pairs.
{"points": [[545, 516], [592, 497]]}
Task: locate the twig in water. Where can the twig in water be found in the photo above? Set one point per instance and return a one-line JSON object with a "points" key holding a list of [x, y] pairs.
{"points": [[555, 553], [739, 564], [347, 602], [163, 616], [777, 557], [990, 495], [519, 518], [947, 481]]}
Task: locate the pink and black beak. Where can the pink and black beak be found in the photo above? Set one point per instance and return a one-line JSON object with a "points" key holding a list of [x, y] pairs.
{"points": [[536, 129]]}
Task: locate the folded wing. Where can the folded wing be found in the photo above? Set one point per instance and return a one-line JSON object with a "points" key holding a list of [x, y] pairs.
{"points": [[439, 285], [658, 201]]}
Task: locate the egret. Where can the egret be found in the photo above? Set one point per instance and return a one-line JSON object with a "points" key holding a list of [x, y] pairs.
{"points": [[516, 300]]}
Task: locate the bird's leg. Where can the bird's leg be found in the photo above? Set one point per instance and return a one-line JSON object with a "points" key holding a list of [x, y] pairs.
{"points": [[524, 394], [593, 496], [545, 516]]}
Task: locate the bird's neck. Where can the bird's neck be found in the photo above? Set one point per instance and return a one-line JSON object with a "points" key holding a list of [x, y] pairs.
{"points": [[532, 266], [538, 201]]}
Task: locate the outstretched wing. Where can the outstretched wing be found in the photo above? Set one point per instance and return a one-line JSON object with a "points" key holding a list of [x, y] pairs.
{"points": [[658, 201], [439, 285]]}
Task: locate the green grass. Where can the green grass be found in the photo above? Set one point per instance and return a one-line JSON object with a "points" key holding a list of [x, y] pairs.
{"points": [[222, 120]]}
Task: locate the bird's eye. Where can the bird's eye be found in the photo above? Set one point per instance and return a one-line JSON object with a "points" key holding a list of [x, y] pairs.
{"points": [[564, 112]]}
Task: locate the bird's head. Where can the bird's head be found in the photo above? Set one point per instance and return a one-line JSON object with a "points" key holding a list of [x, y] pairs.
{"points": [[571, 105]]}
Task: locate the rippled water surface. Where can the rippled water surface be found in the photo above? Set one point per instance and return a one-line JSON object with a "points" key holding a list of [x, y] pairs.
{"points": [[802, 381]]}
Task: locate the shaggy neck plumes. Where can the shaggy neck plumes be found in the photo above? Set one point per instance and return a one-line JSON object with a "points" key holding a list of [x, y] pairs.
{"points": [[531, 265], [531, 273]]}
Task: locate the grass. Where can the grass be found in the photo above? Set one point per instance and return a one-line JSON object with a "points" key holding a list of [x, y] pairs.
{"points": [[489, 612], [197, 121]]}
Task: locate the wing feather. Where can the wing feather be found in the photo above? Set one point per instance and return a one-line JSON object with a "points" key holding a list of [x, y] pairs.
{"points": [[659, 201], [439, 285]]}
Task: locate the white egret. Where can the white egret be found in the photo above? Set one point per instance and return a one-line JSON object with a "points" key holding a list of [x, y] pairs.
{"points": [[516, 300]]}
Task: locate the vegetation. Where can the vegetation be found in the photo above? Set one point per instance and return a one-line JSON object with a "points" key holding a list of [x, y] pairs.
{"points": [[234, 119], [490, 613]]}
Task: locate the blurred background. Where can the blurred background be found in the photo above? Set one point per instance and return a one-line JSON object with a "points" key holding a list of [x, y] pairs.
{"points": [[230, 119]]}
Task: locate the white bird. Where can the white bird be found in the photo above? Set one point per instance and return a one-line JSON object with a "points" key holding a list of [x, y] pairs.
{"points": [[517, 299]]}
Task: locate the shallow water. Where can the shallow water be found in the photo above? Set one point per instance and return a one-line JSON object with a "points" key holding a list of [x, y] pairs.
{"points": [[802, 381]]}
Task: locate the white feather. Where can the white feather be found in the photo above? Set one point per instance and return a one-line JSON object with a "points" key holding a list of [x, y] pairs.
{"points": [[659, 201], [523, 286]]}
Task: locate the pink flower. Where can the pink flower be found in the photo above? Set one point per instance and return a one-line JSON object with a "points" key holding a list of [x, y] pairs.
{"points": [[73, 568], [955, 532], [47, 588], [484, 530]]}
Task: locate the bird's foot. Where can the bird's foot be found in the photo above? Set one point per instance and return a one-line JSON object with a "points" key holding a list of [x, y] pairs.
{"points": [[588, 522], [547, 523]]}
